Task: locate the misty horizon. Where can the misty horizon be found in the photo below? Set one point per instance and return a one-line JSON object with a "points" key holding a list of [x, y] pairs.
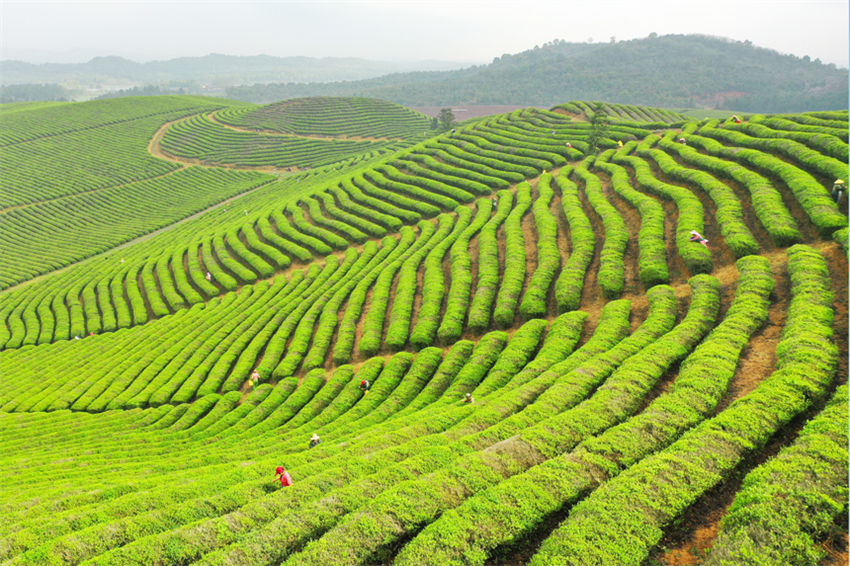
{"points": [[452, 32]]}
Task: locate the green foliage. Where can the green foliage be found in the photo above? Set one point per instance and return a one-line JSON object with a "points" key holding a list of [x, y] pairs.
{"points": [[598, 119], [730, 215], [458, 297], [480, 310], [328, 116], [711, 450], [667, 71], [786, 506]]}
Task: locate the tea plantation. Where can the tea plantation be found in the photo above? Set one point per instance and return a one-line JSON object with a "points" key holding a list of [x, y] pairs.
{"points": [[559, 372]]}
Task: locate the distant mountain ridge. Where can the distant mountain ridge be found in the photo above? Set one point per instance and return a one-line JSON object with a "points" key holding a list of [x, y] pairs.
{"points": [[664, 71], [209, 68]]}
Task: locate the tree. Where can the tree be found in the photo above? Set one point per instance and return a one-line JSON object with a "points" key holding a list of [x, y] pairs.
{"points": [[598, 127], [446, 119]]}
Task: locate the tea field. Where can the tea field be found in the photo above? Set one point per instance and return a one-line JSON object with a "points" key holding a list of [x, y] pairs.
{"points": [[558, 372]]}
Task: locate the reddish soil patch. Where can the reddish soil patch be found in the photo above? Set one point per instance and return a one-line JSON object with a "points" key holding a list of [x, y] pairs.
{"points": [[592, 300], [530, 237], [358, 328], [581, 117], [835, 547]]}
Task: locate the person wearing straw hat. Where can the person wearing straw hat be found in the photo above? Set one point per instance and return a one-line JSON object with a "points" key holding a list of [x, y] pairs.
{"points": [[697, 237], [838, 189]]}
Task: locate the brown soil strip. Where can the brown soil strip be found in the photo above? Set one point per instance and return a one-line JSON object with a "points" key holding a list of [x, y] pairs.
{"points": [[758, 359], [358, 327], [191, 282], [144, 293], [530, 238], [592, 299], [158, 285], [111, 300], [474, 251], [417, 296], [581, 117], [564, 243], [447, 283]]}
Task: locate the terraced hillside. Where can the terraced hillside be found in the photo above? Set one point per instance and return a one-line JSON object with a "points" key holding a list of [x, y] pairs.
{"points": [[630, 390], [333, 117], [299, 133]]}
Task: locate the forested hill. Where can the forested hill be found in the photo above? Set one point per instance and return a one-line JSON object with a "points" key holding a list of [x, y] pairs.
{"points": [[667, 71]]}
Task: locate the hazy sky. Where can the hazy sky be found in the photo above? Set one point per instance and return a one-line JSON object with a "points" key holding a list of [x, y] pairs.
{"points": [[459, 30]]}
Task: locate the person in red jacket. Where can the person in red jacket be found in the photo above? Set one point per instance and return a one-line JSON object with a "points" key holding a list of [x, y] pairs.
{"points": [[285, 478]]}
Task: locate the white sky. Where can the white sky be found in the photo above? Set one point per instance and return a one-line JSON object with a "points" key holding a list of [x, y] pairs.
{"points": [[459, 30]]}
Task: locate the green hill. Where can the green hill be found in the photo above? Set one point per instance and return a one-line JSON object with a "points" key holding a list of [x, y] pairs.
{"points": [[671, 71], [558, 373]]}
